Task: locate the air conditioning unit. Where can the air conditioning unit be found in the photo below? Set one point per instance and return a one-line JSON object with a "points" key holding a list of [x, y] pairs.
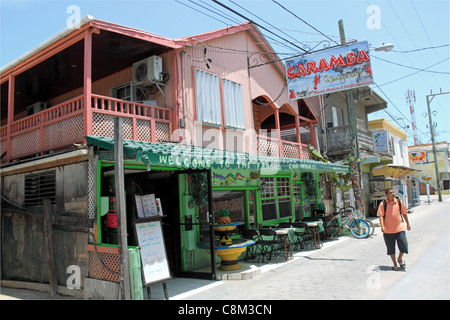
{"points": [[147, 70], [36, 107]]}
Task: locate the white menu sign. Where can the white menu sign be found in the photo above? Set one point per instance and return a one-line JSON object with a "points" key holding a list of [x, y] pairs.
{"points": [[153, 251]]}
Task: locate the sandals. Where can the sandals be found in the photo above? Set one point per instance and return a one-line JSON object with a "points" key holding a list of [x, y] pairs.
{"points": [[402, 265]]}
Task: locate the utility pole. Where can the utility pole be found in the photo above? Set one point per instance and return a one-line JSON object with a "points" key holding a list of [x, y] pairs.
{"points": [[430, 97], [356, 180], [350, 101], [121, 208]]}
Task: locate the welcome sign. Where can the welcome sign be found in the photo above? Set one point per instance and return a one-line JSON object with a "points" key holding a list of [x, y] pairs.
{"points": [[328, 71]]}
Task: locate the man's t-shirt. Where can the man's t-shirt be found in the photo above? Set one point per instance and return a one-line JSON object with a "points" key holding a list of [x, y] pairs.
{"points": [[392, 221]]}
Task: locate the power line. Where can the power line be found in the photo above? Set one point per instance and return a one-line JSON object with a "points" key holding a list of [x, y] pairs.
{"points": [[409, 67], [421, 49], [257, 24], [426, 33], [411, 74], [309, 25], [184, 4], [263, 20], [393, 104]]}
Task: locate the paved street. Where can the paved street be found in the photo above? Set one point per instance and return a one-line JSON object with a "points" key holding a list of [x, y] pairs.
{"points": [[358, 269], [345, 269]]}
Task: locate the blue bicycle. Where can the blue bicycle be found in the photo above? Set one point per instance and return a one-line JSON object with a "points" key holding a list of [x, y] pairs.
{"points": [[358, 228]]}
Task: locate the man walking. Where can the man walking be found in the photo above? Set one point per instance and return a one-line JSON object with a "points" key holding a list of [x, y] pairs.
{"points": [[390, 212]]}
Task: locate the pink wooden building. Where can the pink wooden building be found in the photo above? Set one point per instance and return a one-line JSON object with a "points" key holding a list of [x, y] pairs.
{"points": [[223, 89], [72, 85]]}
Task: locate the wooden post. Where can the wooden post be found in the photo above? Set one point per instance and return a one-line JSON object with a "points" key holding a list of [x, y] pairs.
{"points": [[48, 233], [121, 210], [356, 181], [87, 83]]}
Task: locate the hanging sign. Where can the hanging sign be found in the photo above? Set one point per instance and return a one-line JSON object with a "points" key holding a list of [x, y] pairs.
{"points": [[380, 141], [417, 157], [328, 71]]}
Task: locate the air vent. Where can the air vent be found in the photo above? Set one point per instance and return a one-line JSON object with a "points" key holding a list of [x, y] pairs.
{"points": [[40, 186]]}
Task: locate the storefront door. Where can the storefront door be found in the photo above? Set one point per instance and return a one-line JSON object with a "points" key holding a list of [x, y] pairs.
{"points": [[195, 236]]}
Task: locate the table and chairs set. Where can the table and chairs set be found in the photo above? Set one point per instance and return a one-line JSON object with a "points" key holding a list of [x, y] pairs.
{"points": [[281, 239]]}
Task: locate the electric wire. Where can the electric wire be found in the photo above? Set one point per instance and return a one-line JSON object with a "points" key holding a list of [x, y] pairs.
{"points": [[309, 25], [411, 74], [257, 24], [422, 49], [409, 67]]}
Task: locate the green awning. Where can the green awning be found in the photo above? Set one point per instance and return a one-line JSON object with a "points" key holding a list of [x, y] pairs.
{"points": [[192, 157]]}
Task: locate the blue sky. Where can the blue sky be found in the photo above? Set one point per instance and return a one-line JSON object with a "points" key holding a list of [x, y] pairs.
{"points": [[419, 30]]}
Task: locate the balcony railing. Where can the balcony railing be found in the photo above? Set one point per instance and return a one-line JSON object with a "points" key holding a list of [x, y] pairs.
{"points": [[273, 147], [66, 123], [339, 140]]}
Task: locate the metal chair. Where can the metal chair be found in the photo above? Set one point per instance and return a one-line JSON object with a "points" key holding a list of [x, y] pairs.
{"points": [[252, 251], [269, 243], [303, 235]]}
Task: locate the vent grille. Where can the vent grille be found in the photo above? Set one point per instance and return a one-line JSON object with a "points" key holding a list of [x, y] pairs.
{"points": [[40, 186]]}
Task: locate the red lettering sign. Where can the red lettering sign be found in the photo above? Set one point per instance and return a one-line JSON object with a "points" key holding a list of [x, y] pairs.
{"points": [[350, 59]]}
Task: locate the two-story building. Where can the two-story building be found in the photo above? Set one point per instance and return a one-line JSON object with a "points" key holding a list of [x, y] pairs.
{"points": [[207, 124], [389, 139], [421, 158], [336, 140]]}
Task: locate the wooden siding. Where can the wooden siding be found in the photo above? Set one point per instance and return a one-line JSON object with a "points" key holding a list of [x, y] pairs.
{"points": [[229, 55]]}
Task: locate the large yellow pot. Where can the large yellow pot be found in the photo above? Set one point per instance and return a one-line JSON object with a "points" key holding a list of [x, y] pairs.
{"points": [[229, 254]]}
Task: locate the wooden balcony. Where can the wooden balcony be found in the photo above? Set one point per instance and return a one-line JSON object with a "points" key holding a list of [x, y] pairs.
{"points": [[69, 122], [339, 140], [273, 147], [59, 127]]}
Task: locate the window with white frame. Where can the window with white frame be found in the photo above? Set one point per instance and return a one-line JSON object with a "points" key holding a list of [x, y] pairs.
{"points": [[210, 99], [207, 95], [233, 104]]}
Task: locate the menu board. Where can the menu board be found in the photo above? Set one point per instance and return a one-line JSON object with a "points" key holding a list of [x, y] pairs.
{"points": [[155, 266], [148, 206]]}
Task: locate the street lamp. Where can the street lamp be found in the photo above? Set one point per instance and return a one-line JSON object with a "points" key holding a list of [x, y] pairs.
{"points": [[383, 47]]}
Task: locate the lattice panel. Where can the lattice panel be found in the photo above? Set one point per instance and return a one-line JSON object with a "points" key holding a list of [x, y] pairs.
{"points": [[103, 125], [143, 130], [307, 153], [97, 271], [2, 146], [267, 148], [92, 205], [64, 131], [162, 131], [291, 151], [26, 143]]}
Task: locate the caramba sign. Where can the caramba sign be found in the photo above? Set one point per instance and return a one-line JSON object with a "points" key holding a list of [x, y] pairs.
{"points": [[330, 70]]}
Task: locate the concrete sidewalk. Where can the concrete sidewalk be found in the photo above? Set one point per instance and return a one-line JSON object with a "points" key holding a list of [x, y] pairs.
{"points": [[314, 271]]}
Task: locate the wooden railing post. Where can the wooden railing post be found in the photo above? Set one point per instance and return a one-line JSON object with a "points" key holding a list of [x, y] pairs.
{"points": [[87, 82]]}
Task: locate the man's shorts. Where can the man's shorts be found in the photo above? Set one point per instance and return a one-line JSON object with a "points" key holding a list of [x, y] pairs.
{"points": [[402, 242]]}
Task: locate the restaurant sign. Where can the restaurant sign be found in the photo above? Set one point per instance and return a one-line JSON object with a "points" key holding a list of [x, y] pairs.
{"points": [[328, 71]]}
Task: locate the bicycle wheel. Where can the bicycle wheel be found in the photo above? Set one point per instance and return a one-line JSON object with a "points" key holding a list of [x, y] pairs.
{"points": [[371, 226], [359, 229]]}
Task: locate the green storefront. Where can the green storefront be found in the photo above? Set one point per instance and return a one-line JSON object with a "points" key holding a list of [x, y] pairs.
{"points": [[194, 184]]}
